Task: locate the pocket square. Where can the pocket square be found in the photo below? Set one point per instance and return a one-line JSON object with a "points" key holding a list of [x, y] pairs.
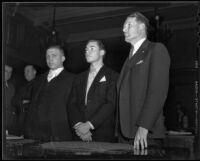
{"points": [[103, 79], [141, 61]]}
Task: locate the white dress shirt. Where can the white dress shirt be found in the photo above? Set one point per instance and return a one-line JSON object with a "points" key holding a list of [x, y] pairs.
{"points": [[53, 73], [137, 45], [92, 74]]}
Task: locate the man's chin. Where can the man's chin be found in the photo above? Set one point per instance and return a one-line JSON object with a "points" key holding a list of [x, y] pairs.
{"points": [[127, 40]]}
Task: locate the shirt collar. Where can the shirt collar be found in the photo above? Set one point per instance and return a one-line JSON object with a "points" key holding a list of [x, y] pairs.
{"points": [[57, 71], [138, 44], [95, 69]]}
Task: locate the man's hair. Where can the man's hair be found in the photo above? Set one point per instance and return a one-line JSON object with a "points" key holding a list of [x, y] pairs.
{"points": [[99, 43], [140, 18], [56, 47], [30, 65], [9, 66]]}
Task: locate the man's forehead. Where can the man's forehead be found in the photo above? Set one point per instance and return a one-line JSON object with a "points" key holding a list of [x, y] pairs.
{"points": [[53, 50], [92, 44], [28, 67], [8, 68], [130, 20]]}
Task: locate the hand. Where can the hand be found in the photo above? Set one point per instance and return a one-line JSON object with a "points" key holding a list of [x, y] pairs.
{"points": [[82, 128], [86, 137], [140, 151], [140, 138]]}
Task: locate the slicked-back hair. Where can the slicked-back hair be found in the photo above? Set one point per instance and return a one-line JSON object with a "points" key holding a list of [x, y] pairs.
{"points": [[140, 18], [99, 43], [57, 47]]}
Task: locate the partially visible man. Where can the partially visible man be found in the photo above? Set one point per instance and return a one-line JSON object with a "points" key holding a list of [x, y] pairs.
{"points": [[48, 116], [93, 100], [142, 86], [10, 118], [22, 98]]}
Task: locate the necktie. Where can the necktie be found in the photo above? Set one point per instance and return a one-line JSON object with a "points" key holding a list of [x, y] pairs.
{"points": [[131, 52], [89, 82]]}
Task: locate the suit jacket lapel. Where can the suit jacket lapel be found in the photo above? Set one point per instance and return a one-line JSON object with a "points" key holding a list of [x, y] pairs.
{"points": [[139, 55], [129, 63], [83, 83], [59, 76], [96, 79], [121, 76], [42, 82]]}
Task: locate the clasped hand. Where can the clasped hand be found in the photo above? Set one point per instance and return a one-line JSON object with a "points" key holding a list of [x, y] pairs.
{"points": [[83, 131]]}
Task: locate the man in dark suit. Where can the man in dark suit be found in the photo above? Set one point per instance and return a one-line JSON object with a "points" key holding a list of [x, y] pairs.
{"points": [[142, 86], [48, 116], [10, 117], [22, 98], [93, 99]]}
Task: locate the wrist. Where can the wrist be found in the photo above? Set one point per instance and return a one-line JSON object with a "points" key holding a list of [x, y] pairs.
{"points": [[90, 124]]}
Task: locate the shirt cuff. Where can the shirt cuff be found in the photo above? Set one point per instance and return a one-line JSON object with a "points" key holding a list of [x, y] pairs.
{"points": [[92, 127], [76, 124]]}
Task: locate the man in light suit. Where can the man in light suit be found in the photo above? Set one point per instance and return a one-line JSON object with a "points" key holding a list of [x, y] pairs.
{"points": [[142, 86], [93, 98], [48, 116]]}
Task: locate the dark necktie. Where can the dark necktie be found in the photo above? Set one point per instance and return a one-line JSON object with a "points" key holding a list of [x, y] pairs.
{"points": [[131, 52]]}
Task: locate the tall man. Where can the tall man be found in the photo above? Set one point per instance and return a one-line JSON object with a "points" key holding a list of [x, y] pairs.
{"points": [[93, 99], [142, 86], [48, 116], [23, 96]]}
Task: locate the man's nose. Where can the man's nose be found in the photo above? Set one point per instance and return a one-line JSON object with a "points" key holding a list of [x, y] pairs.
{"points": [[87, 53], [124, 29], [50, 58]]}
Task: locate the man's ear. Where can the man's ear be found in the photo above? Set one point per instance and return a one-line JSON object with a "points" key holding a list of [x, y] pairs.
{"points": [[63, 58], [102, 52], [35, 72], [142, 26]]}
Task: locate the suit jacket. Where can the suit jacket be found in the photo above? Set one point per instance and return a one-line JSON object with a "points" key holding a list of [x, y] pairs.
{"points": [[10, 117], [24, 93], [142, 89], [48, 116], [101, 103]]}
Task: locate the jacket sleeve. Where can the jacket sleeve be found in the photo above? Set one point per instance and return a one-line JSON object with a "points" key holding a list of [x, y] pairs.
{"points": [[73, 108], [157, 87]]}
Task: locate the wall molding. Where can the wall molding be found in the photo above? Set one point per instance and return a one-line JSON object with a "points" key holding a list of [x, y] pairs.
{"points": [[117, 32]]}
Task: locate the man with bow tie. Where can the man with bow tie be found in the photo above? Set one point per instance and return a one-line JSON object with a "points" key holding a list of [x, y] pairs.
{"points": [[93, 98], [48, 116], [142, 87]]}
